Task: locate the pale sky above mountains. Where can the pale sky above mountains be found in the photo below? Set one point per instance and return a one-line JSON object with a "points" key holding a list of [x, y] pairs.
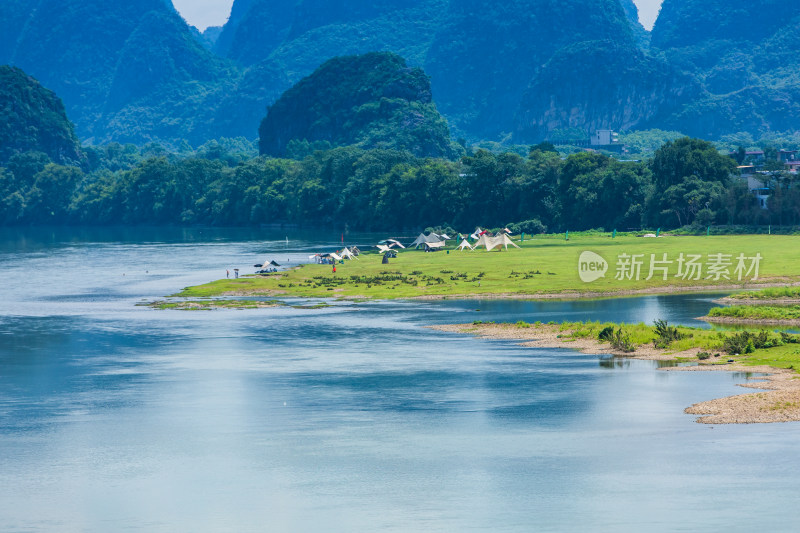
{"points": [[205, 13]]}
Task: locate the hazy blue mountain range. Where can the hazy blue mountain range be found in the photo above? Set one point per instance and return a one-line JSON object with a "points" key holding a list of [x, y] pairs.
{"points": [[744, 57], [127, 71], [515, 70], [487, 54]]}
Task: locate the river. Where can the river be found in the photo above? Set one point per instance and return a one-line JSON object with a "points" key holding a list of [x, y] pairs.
{"points": [[355, 417]]}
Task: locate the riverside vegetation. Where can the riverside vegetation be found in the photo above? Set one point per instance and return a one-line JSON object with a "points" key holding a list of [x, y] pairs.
{"points": [[773, 305], [681, 343], [224, 183]]}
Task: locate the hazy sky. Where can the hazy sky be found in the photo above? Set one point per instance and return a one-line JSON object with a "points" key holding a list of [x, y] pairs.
{"points": [[204, 13]]}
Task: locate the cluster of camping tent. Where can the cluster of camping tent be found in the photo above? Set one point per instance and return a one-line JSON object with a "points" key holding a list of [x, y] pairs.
{"points": [[431, 242], [436, 241], [336, 257]]}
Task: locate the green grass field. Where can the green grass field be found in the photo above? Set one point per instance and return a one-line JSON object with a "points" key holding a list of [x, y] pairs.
{"points": [[545, 265]]}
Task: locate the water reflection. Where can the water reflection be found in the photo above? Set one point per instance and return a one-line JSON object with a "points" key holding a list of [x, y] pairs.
{"points": [[350, 418], [679, 309]]}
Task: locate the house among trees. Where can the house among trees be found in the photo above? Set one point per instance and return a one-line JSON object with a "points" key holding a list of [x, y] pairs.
{"points": [[760, 170]]}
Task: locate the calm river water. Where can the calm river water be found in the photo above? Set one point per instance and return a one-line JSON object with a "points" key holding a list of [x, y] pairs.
{"points": [[117, 417]]}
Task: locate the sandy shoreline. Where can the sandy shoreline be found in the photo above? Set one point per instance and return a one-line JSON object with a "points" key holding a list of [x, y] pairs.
{"points": [[777, 401], [750, 321], [756, 301]]}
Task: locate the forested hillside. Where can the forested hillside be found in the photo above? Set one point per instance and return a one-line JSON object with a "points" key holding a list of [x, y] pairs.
{"points": [[487, 53], [745, 57], [126, 70], [32, 119], [638, 91], [300, 35], [373, 100], [514, 72]]}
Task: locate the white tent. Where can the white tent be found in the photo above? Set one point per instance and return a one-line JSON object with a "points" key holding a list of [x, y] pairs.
{"points": [[494, 242], [336, 257], [347, 254], [477, 234], [435, 245], [423, 239], [393, 242], [382, 249], [464, 244], [444, 237]]}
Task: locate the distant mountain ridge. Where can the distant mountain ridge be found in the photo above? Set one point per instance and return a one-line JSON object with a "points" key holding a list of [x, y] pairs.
{"points": [[115, 65], [745, 58], [513, 71], [487, 54]]}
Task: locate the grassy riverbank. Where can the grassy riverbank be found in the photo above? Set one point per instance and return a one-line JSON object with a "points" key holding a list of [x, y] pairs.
{"points": [[773, 293], [545, 266], [752, 347], [789, 313], [770, 306], [776, 356]]}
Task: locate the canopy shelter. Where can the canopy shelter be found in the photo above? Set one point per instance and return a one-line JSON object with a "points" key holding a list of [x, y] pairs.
{"points": [[477, 233], [337, 257], [382, 248], [433, 246], [464, 244], [266, 264], [347, 254], [495, 242], [266, 267], [393, 242], [426, 239]]}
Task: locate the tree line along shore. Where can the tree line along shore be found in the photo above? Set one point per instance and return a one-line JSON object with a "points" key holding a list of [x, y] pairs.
{"points": [[686, 183]]}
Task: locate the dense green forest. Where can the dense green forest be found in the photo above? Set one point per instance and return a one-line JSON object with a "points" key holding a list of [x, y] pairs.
{"points": [[687, 182]]}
